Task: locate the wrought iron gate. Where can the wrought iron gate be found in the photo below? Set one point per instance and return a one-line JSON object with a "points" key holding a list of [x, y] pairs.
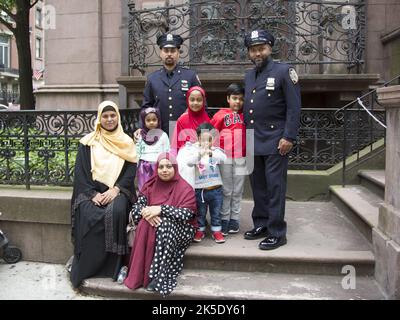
{"points": [[320, 35]]}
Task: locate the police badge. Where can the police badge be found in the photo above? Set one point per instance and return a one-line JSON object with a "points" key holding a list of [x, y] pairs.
{"points": [[184, 85], [293, 75], [270, 84]]}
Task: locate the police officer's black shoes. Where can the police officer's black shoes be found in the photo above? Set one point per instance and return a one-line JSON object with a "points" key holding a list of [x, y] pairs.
{"points": [[256, 233], [270, 243]]}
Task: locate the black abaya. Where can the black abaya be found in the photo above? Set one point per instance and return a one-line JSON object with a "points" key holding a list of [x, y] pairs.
{"points": [[99, 233]]}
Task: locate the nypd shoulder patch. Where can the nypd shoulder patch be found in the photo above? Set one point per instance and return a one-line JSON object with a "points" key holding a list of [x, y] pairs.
{"points": [[293, 75]]}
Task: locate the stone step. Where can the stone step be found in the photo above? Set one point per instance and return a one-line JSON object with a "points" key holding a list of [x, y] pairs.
{"points": [[212, 285], [321, 240], [373, 180], [360, 205], [242, 255]]}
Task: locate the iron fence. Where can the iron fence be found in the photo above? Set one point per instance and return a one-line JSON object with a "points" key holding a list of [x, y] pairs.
{"points": [[320, 35], [39, 147], [7, 96], [325, 139]]}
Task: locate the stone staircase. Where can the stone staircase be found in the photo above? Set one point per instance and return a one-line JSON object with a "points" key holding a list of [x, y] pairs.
{"points": [[361, 202], [322, 240]]}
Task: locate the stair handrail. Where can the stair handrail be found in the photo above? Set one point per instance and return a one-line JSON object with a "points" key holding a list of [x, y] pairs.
{"points": [[367, 94], [343, 112]]}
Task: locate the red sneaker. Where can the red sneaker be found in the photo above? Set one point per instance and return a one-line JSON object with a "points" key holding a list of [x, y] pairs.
{"points": [[198, 236], [218, 237]]}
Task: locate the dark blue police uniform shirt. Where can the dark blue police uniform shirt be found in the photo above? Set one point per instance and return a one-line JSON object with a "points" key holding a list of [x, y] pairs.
{"points": [[169, 94], [272, 107]]}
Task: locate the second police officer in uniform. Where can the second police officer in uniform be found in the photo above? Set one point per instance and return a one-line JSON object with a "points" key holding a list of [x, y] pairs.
{"points": [[272, 109], [166, 88]]}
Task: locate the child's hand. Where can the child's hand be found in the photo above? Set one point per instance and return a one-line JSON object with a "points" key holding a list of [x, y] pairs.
{"points": [[205, 152], [136, 135]]}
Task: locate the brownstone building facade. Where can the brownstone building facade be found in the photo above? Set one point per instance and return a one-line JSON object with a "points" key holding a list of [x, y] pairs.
{"points": [[88, 57]]}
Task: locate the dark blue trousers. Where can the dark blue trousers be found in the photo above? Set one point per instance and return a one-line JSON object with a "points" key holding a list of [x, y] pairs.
{"points": [[211, 199], [268, 183]]}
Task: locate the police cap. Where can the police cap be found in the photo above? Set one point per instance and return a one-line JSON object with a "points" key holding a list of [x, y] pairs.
{"points": [[259, 37], [168, 40]]}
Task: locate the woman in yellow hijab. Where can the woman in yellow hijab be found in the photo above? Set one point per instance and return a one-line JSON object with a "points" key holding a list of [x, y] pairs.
{"points": [[103, 192]]}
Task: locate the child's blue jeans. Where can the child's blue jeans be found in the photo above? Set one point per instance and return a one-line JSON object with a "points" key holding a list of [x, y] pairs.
{"points": [[211, 199]]}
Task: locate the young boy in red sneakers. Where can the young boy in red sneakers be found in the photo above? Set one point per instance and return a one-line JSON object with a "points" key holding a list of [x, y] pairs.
{"points": [[232, 131], [205, 158]]}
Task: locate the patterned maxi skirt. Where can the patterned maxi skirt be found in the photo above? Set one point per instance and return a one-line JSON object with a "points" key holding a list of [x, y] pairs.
{"points": [[172, 240]]}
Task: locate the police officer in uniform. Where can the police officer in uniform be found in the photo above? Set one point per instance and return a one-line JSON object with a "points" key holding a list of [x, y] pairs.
{"points": [[272, 109], [166, 88]]}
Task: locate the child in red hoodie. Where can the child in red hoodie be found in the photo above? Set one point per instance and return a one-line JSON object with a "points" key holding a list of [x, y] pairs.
{"points": [[229, 122]]}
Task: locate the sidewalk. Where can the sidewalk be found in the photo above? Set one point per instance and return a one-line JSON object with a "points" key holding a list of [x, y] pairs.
{"points": [[37, 281]]}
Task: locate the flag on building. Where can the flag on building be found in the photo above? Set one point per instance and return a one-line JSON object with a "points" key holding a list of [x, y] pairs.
{"points": [[37, 74]]}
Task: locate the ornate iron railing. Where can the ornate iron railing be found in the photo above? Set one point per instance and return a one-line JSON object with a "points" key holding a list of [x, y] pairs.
{"points": [[321, 35], [39, 147], [360, 126], [322, 141]]}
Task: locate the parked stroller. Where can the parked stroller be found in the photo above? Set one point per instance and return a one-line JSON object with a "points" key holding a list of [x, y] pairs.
{"points": [[10, 254]]}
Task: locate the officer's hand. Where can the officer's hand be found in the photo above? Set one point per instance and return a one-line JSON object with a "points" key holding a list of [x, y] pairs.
{"points": [[284, 147], [136, 135]]}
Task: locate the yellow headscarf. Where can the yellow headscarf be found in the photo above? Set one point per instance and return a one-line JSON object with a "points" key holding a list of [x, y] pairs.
{"points": [[109, 150]]}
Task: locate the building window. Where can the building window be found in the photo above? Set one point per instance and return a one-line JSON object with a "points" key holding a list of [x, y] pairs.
{"points": [[3, 86], [4, 51], [38, 17], [38, 47]]}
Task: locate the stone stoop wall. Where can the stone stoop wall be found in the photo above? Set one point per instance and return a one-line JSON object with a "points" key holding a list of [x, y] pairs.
{"points": [[39, 226], [386, 237]]}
